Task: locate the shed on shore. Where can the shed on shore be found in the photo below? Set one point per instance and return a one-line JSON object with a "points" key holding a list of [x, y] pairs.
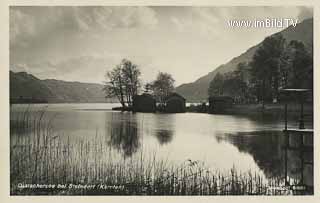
{"points": [[175, 103], [144, 103], [218, 104]]}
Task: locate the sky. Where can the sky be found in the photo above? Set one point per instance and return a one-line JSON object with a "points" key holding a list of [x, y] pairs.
{"points": [[82, 43]]}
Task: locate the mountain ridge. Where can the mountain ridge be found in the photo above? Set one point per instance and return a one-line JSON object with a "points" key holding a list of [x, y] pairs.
{"points": [[24, 85]]}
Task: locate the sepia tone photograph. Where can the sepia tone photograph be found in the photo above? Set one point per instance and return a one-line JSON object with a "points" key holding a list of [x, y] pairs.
{"points": [[161, 100]]}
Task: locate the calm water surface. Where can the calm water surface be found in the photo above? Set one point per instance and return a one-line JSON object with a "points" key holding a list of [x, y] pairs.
{"points": [[220, 141]]}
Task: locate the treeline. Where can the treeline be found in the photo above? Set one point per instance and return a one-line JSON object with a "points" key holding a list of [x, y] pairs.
{"points": [[276, 64], [26, 100], [124, 82]]}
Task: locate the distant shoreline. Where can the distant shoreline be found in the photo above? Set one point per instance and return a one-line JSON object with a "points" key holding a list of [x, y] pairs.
{"points": [[274, 110]]}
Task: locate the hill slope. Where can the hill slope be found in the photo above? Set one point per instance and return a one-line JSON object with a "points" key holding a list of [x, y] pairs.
{"points": [[24, 85], [197, 91]]}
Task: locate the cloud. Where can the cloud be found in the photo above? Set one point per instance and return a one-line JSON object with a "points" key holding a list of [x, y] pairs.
{"points": [[27, 23], [22, 26], [181, 25], [80, 43], [20, 67], [79, 68], [211, 22], [114, 17], [305, 13], [201, 20]]}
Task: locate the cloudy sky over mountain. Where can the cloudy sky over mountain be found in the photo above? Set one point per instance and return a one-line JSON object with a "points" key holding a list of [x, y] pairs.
{"points": [[81, 43]]}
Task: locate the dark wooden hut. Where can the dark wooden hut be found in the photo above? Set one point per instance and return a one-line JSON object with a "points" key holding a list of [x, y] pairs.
{"points": [[175, 103], [218, 104], [144, 103]]}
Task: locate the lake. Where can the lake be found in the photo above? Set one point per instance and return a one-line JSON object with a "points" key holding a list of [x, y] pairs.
{"points": [[220, 142]]}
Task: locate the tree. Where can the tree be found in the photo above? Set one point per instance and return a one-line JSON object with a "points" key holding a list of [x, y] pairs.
{"points": [[148, 88], [235, 85], [242, 77], [216, 85], [130, 74], [299, 69], [114, 86], [162, 86], [123, 82], [277, 64], [231, 84], [265, 68]]}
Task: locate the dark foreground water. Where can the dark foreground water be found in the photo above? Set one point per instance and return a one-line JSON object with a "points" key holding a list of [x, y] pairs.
{"points": [[219, 141]]}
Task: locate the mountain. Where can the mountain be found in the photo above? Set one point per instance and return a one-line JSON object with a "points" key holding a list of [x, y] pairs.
{"points": [[26, 86], [197, 91]]}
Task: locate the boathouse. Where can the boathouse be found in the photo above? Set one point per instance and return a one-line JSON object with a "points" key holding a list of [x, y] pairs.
{"points": [[144, 103], [218, 104], [175, 103]]}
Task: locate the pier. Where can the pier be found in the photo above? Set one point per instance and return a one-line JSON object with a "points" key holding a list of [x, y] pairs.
{"points": [[298, 146]]}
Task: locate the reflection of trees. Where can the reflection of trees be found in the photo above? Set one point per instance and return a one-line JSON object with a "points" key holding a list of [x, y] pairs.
{"points": [[264, 146], [164, 128], [124, 136], [164, 136]]}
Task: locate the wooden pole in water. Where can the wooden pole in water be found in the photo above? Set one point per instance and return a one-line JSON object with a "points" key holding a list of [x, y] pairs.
{"points": [[285, 116], [301, 157]]}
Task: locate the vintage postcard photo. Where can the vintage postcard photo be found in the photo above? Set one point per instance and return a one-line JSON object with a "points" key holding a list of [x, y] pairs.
{"points": [[161, 100]]}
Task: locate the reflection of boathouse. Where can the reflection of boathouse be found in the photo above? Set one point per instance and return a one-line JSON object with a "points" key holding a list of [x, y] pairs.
{"points": [[175, 103], [219, 104], [144, 103]]}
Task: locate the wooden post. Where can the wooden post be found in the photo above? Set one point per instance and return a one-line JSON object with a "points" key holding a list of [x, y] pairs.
{"points": [[286, 141], [301, 126], [301, 122]]}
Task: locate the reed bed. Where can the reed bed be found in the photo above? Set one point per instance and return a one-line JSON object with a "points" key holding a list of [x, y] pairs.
{"points": [[89, 167]]}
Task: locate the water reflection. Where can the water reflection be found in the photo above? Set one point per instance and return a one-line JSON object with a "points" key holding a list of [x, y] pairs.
{"points": [[126, 130], [214, 139], [266, 148], [164, 136], [164, 128], [263, 146], [124, 134]]}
